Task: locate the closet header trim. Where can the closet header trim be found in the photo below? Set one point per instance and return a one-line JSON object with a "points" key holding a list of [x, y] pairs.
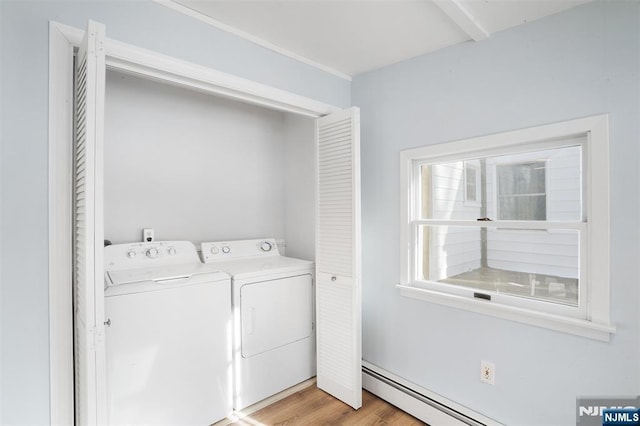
{"points": [[145, 63]]}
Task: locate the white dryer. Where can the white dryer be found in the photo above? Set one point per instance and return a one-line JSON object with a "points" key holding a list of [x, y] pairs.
{"points": [[168, 340], [273, 311]]}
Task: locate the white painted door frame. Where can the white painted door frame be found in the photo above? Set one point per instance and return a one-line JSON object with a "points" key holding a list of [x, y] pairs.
{"points": [[134, 60]]}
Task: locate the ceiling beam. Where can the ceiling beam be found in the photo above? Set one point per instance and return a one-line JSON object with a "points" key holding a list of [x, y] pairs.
{"points": [[462, 18]]}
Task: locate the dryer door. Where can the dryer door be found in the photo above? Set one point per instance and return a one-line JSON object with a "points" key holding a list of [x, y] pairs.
{"points": [[275, 313]]}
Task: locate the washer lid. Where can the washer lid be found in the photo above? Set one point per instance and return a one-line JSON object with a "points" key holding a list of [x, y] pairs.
{"points": [[163, 273]]}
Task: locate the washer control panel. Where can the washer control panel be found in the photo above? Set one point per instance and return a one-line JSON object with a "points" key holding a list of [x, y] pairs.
{"points": [[139, 255], [241, 249]]}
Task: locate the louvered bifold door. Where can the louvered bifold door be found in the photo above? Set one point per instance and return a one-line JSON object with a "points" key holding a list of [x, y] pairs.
{"points": [[90, 399], [338, 307]]}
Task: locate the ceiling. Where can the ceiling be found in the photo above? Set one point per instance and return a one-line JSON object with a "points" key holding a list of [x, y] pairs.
{"points": [[349, 37]]}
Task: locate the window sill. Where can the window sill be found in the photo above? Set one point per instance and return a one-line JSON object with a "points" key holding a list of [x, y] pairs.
{"points": [[574, 326]]}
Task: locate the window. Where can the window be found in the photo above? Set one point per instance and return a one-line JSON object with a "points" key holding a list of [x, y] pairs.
{"points": [[471, 182], [521, 191], [509, 229]]}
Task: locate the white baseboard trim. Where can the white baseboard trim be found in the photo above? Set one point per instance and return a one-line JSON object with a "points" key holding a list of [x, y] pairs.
{"points": [[421, 403]]}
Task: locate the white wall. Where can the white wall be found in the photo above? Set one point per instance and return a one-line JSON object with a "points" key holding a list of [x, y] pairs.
{"points": [[203, 168], [581, 62], [24, 34], [192, 166], [300, 187], [1, 208]]}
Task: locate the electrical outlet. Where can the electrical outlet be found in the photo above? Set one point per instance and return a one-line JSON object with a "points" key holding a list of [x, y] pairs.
{"points": [[487, 372], [147, 235]]}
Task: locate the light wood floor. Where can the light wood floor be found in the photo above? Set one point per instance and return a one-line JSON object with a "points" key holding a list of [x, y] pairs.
{"points": [[311, 406]]}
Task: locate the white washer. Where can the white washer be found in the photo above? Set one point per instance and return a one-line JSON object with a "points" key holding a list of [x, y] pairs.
{"points": [[273, 311], [168, 340]]}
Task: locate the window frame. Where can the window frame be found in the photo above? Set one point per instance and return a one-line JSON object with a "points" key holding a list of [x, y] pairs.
{"points": [[523, 226], [592, 317]]}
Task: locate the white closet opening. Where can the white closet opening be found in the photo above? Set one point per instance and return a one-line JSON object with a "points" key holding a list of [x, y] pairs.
{"points": [[291, 135]]}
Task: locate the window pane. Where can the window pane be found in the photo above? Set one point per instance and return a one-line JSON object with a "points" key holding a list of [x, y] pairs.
{"points": [[531, 207], [447, 192], [521, 191], [536, 264], [521, 178], [536, 185], [471, 180]]}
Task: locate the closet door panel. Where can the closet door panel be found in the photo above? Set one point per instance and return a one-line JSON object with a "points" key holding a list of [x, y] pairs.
{"points": [[338, 290], [88, 282]]}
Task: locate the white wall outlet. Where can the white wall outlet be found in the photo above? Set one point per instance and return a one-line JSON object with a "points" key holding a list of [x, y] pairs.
{"points": [[147, 235], [487, 372]]}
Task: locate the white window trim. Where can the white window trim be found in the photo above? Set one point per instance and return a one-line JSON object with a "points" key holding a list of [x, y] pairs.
{"points": [[597, 324]]}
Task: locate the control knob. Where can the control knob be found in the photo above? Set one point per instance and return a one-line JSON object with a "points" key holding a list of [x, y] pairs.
{"points": [[226, 249], [214, 250], [152, 253], [131, 254], [266, 246], [171, 251]]}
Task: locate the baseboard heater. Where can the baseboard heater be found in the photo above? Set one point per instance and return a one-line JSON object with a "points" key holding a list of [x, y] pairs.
{"points": [[424, 405]]}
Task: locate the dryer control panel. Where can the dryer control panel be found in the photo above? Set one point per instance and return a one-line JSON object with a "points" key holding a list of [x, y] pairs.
{"points": [[240, 249], [140, 255]]}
